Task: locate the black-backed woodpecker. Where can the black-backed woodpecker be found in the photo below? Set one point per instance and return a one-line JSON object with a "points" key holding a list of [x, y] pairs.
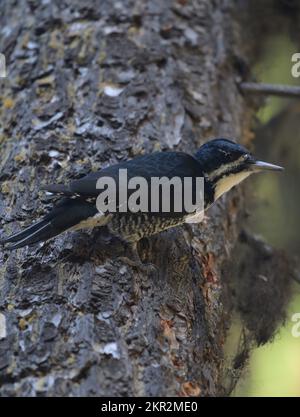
{"points": [[221, 162]]}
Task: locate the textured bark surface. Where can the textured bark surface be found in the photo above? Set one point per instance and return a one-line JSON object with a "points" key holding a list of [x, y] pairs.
{"points": [[91, 83]]}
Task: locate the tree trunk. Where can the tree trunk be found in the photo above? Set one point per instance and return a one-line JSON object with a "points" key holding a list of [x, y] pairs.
{"points": [[89, 84]]}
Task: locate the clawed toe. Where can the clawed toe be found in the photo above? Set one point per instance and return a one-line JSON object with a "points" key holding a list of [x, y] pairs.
{"points": [[147, 268]]}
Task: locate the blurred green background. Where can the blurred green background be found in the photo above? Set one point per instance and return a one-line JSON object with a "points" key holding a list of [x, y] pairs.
{"points": [[274, 369]]}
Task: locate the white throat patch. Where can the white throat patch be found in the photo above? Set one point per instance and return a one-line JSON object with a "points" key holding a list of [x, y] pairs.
{"points": [[227, 182]]}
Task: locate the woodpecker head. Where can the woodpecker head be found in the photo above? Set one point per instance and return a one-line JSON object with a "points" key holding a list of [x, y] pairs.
{"points": [[226, 163]]}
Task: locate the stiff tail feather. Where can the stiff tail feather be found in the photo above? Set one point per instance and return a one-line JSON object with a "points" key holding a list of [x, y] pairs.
{"points": [[66, 214]]}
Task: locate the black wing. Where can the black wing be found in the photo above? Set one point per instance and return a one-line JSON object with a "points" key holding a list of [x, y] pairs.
{"points": [[158, 164]]}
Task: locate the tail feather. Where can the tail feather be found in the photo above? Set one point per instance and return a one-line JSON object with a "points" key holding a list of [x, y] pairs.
{"points": [[43, 233], [66, 214], [24, 233]]}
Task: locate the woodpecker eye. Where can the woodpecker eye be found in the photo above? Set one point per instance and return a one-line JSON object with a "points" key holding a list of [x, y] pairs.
{"points": [[246, 157]]}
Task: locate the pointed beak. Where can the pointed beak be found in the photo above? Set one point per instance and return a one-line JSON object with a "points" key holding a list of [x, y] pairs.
{"points": [[265, 166]]}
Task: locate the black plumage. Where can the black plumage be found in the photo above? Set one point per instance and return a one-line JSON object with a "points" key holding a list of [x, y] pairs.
{"points": [[63, 216]]}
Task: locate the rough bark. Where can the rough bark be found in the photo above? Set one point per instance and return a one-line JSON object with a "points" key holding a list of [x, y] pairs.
{"points": [[74, 320]]}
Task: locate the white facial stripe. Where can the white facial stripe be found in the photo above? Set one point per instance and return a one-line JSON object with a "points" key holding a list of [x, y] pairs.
{"points": [[227, 182], [225, 168]]}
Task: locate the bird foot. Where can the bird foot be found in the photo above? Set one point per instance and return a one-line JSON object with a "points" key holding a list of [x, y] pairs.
{"points": [[147, 268], [132, 258]]}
